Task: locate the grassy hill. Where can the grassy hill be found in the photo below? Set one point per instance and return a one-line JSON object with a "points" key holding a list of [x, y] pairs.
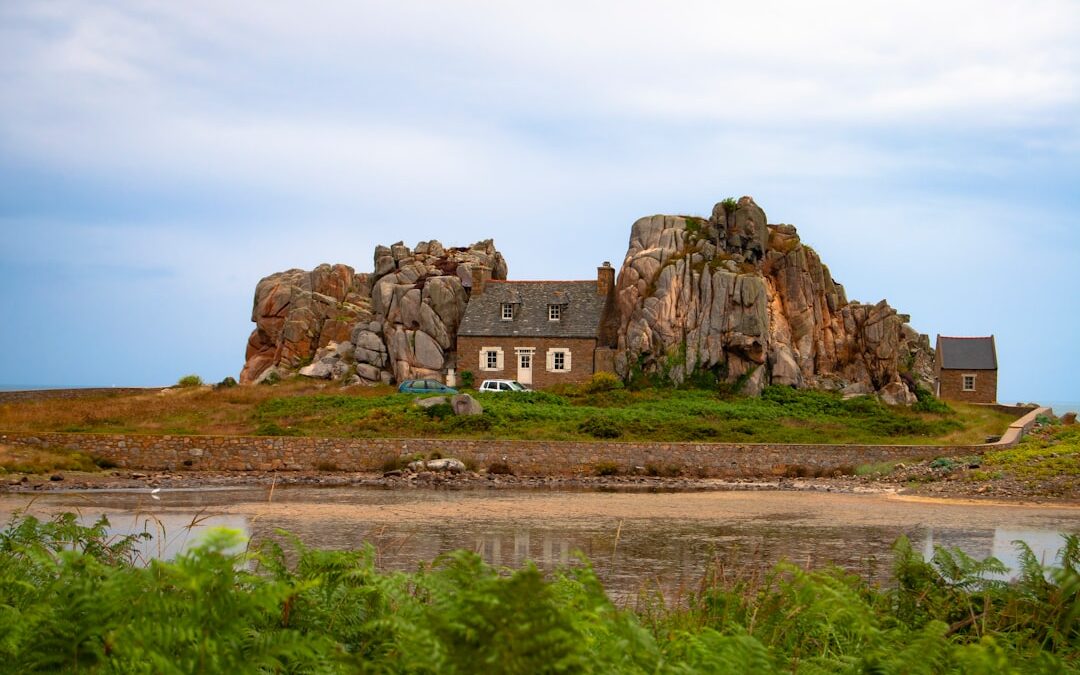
{"points": [[304, 408]]}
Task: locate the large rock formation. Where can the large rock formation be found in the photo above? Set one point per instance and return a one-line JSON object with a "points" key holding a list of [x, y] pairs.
{"points": [[296, 313], [748, 303], [727, 299], [397, 323]]}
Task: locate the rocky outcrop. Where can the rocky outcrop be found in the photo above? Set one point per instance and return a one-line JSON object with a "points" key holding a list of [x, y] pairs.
{"points": [[735, 298], [396, 323], [728, 299], [297, 312], [419, 297]]}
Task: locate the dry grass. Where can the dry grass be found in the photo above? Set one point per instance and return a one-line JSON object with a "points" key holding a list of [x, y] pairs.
{"points": [[980, 421], [42, 460], [199, 410]]}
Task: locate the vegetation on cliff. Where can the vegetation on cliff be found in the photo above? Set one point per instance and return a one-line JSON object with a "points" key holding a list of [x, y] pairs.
{"points": [[74, 599]]}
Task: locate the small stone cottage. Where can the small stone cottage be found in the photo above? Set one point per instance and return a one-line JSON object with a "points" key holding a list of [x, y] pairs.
{"points": [[539, 333], [966, 369]]}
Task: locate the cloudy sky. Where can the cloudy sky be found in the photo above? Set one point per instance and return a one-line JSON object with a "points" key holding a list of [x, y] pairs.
{"points": [[157, 159]]}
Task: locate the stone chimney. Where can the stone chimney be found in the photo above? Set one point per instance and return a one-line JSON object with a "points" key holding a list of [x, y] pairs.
{"points": [[480, 277], [605, 279]]}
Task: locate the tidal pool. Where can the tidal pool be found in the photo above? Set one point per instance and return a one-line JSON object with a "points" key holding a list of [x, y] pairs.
{"points": [[636, 540]]}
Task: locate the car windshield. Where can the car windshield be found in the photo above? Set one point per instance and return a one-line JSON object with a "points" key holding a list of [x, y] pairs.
{"points": [[517, 386]]}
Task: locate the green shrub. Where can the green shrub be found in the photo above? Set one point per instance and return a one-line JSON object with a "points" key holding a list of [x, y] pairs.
{"points": [[439, 411], [471, 423], [227, 383], [600, 427], [602, 381], [189, 381], [468, 379], [929, 403]]}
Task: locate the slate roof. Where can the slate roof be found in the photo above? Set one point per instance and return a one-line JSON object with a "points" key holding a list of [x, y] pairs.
{"points": [[582, 309], [967, 353]]}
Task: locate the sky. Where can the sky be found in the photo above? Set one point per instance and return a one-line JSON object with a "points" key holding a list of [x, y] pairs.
{"points": [[158, 158]]}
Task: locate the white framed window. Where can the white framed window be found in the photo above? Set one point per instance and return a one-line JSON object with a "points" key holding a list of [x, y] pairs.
{"points": [[969, 383], [554, 312], [507, 311], [491, 358], [559, 360]]}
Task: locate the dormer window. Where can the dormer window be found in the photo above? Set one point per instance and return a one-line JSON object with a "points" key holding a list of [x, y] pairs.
{"points": [[507, 311], [554, 312]]}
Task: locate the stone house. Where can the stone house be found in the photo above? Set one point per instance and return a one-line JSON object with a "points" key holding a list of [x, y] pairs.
{"points": [[539, 333], [966, 369]]}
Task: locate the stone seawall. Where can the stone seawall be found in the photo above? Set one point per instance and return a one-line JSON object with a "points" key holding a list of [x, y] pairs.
{"points": [[259, 453]]}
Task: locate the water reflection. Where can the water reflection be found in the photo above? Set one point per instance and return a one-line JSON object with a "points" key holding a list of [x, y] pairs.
{"points": [[510, 528]]}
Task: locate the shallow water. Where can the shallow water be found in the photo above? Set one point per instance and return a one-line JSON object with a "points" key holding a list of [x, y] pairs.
{"points": [[635, 540]]}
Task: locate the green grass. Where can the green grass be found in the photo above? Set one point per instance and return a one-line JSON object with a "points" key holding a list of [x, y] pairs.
{"points": [[597, 410], [780, 415], [75, 599], [1053, 453]]}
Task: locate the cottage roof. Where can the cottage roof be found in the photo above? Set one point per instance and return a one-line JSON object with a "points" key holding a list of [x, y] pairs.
{"points": [[967, 353], [581, 309]]}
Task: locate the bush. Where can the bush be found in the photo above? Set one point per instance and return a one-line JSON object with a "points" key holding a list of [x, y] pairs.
{"points": [[439, 411], [227, 383], [929, 403], [189, 381], [606, 469], [500, 468], [663, 470], [600, 427], [602, 381], [468, 379], [470, 423]]}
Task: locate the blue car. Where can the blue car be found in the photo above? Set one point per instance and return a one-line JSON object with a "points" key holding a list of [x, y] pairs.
{"points": [[425, 387]]}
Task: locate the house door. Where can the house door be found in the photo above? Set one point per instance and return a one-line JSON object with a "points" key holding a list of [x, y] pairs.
{"points": [[525, 359]]}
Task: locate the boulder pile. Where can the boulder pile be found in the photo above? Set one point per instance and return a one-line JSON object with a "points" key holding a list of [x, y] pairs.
{"points": [[398, 322]]}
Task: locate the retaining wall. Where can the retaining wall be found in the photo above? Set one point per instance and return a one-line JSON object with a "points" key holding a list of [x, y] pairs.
{"points": [[263, 453]]}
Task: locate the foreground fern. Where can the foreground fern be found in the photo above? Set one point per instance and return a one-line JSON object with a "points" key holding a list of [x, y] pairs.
{"points": [[72, 598]]}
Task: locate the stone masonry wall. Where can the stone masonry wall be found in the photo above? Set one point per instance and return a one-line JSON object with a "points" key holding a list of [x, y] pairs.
{"points": [[581, 363], [952, 386], [258, 453]]}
